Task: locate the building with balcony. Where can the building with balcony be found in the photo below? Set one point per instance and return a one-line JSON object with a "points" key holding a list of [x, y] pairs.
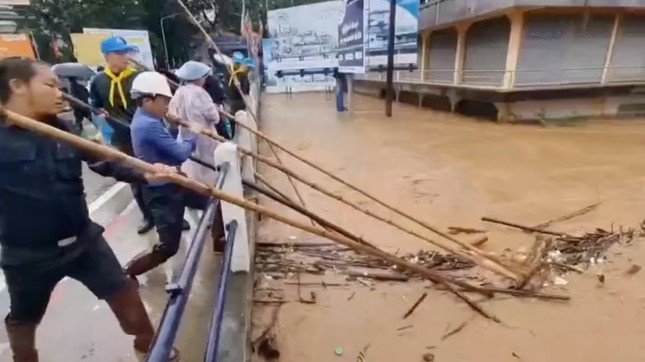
{"points": [[516, 60]]}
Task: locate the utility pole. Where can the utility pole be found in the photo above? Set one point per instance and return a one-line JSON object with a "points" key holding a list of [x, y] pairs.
{"points": [[389, 92], [163, 36]]}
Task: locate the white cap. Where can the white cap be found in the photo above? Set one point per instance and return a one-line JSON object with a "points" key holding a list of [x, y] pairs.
{"points": [[150, 83]]}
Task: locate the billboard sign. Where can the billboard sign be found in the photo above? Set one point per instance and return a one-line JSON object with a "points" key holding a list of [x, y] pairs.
{"points": [[406, 31], [16, 45], [302, 37], [14, 2], [291, 82], [306, 36], [351, 39], [87, 49]]}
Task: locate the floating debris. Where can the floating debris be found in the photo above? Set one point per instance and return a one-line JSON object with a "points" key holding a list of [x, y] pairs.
{"points": [[338, 351], [560, 281], [318, 258], [634, 269], [428, 357]]}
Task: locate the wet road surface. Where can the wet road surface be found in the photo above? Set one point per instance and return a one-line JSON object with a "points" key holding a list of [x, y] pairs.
{"points": [[451, 171], [78, 327]]}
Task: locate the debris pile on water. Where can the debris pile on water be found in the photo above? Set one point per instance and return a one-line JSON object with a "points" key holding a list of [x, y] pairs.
{"points": [[318, 258]]}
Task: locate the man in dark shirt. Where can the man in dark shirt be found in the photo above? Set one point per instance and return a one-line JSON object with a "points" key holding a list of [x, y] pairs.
{"points": [[45, 230], [110, 92]]}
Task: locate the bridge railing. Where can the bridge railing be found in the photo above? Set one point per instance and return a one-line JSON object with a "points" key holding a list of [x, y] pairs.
{"points": [[237, 256], [180, 290]]}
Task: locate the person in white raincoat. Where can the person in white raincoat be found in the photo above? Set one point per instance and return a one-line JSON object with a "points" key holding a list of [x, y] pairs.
{"points": [[191, 102]]}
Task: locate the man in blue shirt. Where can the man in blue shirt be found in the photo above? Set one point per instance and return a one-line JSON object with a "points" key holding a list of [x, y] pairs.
{"points": [[152, 142]]}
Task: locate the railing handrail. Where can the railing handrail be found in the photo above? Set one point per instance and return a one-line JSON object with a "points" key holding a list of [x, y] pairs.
{"points": [[180, 291], [216, 321], [497, 79]]}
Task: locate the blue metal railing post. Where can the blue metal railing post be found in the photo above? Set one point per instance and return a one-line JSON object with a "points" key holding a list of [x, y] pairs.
{"points": [[216, 322], [180, 291]]}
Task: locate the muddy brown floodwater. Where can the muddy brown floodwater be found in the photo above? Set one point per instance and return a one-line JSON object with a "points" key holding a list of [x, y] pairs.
{"points": [[451, 171]]}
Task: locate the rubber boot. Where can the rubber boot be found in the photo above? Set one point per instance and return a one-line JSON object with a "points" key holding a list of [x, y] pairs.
{"points": [[22, 339], [132, 316], [144, 262]]}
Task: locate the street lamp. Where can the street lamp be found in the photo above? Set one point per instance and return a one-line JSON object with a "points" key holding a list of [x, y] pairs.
{"points": [[163, 36]]}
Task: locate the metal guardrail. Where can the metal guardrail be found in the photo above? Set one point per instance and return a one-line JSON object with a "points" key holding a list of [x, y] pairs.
{"points": [[180, 291], [220, 301], [520, 78]]}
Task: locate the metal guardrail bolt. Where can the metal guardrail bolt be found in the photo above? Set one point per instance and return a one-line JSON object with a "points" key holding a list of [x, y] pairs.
{"points": [[174, 289]]}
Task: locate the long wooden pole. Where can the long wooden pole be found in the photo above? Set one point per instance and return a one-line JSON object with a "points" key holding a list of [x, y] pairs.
{"points": [[236, 82], [478, 259], [230, 116], [276, 196], [486, 263], [203, 163], [436, 230], [523, 227], [109, 153], [370, 196]]}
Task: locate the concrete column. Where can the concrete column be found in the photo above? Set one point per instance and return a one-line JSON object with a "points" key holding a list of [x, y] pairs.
{"points": [[606, 71], [246, 140], [424, 54], [514, 46], [460, 57], [227, 153]]}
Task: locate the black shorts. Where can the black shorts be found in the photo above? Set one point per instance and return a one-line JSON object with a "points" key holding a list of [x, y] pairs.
{"points": [[31, 287], [167, 204]]}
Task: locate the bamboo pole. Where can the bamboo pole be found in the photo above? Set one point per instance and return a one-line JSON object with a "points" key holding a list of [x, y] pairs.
{"points": [[203, 163], [293, 184], [476, 258], [276, 196], [236, 82], [525, 228], [230, 116], [109, 153], [492, 265], [270, 141], [398, 211]]}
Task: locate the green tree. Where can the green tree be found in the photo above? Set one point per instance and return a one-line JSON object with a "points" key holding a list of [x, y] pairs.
{"points": [[55, 20]]}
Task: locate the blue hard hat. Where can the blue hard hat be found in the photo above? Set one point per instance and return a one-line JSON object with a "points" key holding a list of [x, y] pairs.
{"points": [[193, 70], [248, 62], [238, 57], [117, 45]]}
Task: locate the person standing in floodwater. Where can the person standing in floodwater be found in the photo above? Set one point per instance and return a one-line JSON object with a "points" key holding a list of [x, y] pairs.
{"points": [[341, 89]]}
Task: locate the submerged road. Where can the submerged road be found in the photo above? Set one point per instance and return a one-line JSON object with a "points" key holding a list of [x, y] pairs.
{"points": [[78, 327]]}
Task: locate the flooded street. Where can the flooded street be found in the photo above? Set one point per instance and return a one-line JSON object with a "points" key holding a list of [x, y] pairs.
{"points": [[452, 171]]}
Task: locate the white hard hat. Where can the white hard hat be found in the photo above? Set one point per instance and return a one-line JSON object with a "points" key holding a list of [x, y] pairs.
{"points": [[150, 83]]}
